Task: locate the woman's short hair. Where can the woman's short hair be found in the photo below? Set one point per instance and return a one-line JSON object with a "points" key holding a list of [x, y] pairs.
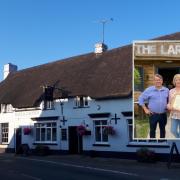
{"points": [[177, 76]]}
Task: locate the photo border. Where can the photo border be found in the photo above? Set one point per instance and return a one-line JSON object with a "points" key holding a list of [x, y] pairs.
{"points": [[133, 65]]}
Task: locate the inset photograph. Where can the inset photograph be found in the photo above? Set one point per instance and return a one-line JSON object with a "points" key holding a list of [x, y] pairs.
{"points": [[156, 94]]}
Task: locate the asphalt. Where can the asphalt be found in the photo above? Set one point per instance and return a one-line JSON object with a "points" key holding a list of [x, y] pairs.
{"points": [[79, 166]]}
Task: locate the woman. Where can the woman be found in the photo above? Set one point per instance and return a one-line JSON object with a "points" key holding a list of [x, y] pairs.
{"points": [[175, 112]]}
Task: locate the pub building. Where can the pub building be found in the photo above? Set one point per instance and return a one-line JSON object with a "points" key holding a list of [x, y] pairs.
{"points": [[79, 105]]}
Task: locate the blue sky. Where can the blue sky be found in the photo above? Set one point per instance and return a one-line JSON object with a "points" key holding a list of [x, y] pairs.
{"points": [[34, 32]]}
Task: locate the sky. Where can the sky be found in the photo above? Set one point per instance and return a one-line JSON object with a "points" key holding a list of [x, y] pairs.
{"points": [[34, 32]]}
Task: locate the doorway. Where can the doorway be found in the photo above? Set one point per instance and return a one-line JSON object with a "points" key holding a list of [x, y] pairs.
{"points": [[75, 141], [18, 138], [168, 74]]}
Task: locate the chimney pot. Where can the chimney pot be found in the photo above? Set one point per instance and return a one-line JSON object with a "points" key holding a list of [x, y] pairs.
{"points": [[9, 68], [100, 48]]}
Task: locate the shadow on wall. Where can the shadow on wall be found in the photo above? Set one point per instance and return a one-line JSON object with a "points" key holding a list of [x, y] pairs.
{"points": [[22, 142], [22, 133]]}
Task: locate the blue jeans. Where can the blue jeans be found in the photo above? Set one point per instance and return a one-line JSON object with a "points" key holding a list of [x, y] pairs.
{"points": [[175, 127]]}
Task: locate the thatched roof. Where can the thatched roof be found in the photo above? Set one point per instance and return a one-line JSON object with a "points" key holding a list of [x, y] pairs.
{"points": [[104, 76]]}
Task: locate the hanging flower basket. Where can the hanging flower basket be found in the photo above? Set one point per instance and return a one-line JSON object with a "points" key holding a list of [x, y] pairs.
{"points": [[109, 130], [27, 131], [81, 130]]}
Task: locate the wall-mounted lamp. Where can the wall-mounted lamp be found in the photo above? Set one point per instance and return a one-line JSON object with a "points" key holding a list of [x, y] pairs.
{"points": [[168, 61]]}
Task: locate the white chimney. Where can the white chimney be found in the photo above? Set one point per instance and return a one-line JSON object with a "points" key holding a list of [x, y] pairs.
{"points": [[100, 48], [8, 68]]}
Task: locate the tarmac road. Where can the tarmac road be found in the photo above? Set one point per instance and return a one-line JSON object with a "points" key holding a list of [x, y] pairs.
{"points": [[74, 167]]}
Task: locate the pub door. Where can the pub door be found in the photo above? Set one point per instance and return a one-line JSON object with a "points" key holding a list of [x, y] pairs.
{"points": [[168, 74], [75, 141]]}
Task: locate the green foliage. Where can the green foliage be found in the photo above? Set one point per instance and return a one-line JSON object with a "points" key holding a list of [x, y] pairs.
{"points": [[141, 128], [136, 77]]}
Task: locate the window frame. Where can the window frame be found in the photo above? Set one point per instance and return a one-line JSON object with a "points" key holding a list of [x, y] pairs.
{"points": [[101, 131], [48, 105], [4, 133], [64, 134], [6, 108], [43, 125], [81, 102]]}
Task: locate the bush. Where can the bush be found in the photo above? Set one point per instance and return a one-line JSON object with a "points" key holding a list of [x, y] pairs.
{"points": [[42, 150], [23, 149], [146, 155]]}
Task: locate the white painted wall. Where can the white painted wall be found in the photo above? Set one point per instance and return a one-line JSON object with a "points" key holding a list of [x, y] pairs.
{"points": [[75, 117]]}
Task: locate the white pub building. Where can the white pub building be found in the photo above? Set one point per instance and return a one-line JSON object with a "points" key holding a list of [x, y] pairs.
{"points": [[79, 105]]}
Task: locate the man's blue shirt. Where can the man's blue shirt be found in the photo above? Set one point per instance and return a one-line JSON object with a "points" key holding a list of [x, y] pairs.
{"points": [[155, 98]]}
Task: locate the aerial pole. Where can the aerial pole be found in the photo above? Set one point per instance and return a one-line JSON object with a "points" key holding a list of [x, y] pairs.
{"points": [[103, 22]]}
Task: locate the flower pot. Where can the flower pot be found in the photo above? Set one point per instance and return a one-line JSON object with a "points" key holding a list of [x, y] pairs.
{"points": [[87, 132], [27, 131]]}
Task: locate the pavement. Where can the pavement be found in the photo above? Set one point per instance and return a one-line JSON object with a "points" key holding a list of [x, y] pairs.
{"points": [[80, 166]]}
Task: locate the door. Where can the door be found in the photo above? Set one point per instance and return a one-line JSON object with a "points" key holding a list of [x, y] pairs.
{"points": [[18, 138], [168, 74], [75, 141]]}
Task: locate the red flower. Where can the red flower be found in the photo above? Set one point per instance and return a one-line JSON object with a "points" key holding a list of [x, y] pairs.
{"points": [[27, 131], [109, 130], [81, 130]]}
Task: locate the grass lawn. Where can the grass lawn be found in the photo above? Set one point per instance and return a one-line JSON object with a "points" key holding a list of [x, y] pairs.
{"points": [[141, 128]]}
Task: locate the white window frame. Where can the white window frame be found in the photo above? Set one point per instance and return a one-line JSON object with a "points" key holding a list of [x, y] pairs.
{"points": [[4, 133], [82, 101], [48, 105], [101, 129], [6, 108], [45, 127]]}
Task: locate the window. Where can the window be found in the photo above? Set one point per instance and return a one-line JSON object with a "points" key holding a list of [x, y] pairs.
{"points": [[130, 129], [45, 132], [100, 133], [48, 105], [81, 102], [4, 133], [63, 134], [6, 108]]}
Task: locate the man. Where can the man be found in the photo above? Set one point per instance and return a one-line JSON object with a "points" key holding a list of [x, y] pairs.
{"points": [[156, 98]]}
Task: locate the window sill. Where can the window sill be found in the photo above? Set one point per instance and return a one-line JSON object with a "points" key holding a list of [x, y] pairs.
{"points": [[80, 107], [148, 144], [103, 145], [4, 144], [28, 109], [48, 109], [44, 143]]}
